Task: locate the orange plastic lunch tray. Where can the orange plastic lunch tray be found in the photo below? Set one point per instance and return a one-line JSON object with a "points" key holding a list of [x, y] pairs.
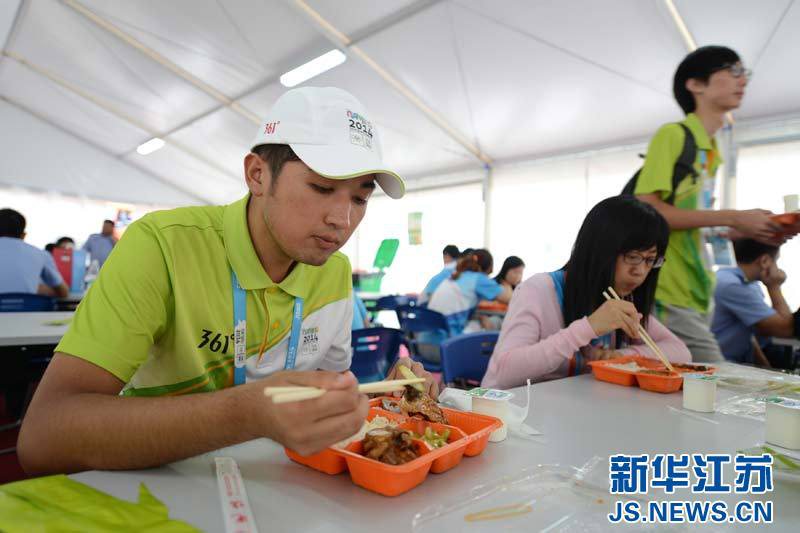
{"points": [[392, 480], [477, 427], [647, 380], [787, 219]]}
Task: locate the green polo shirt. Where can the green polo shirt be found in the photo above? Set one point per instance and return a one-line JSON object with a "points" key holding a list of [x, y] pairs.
{"points": [[160, 314], [684, 280]]}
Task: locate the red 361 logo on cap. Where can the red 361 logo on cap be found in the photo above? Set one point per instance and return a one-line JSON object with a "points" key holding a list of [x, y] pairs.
{"points": [[270, 128]]}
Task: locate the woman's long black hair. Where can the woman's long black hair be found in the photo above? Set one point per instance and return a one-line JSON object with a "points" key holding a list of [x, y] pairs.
{"points": [[511, 262], [615, 226]]}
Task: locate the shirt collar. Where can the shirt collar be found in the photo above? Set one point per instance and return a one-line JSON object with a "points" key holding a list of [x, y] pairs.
{"points": [[701, 138], [739, 273], [244, 260]]}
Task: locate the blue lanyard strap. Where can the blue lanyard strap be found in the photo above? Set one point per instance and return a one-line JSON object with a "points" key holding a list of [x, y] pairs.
{"points": [[294, 337], [240, 332], [605, 340]]}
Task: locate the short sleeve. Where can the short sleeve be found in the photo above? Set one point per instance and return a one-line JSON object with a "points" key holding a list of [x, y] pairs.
{"points": [[487, 288], [340, 354], [662, 154], [359, 312], [126, 309], [50, 274], [745, 302]]}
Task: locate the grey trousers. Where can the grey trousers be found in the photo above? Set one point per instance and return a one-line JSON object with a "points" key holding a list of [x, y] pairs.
{"points": [[692, 327]]}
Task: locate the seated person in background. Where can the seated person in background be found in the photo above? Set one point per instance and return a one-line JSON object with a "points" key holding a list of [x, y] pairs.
{"points": [[559, 320], [457, 297], [25, 268], [445, 273], [511, 272], [65, 242], [360, 314], [450, 255], [741, 312]]}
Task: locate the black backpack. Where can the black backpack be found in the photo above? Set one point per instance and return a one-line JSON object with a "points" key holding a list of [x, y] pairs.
{"points": [[683, 166]]}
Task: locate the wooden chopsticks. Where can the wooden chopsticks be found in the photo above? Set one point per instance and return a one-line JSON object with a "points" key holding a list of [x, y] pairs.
{"points": [[296, 394], [643, 332]]}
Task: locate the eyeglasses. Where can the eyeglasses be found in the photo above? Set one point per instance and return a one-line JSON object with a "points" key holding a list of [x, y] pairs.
{"points": [[637, 259], [736, 70]]}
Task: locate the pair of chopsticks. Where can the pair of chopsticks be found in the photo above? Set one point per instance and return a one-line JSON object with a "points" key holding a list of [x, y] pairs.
{"points": [[643, 332], [297, 394]]}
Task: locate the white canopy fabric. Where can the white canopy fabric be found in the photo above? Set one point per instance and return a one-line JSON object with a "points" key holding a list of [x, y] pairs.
{"points": [[84, 82]]}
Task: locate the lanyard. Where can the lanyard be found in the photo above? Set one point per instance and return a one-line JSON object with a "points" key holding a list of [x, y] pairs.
{"points": [[575, 364], [240, 331]]}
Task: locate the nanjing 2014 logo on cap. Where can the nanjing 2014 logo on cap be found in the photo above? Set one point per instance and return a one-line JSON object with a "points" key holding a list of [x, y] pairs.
{"points": [[360, 130]]}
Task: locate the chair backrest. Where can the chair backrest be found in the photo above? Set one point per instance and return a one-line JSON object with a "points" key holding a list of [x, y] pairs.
{"points": [[15, 302], [384, 257], [374, 352], [415, 319], [391, 303], [467, 356]]}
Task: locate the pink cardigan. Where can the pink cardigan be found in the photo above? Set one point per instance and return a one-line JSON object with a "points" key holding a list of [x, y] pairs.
{"points": [[535, 344]]}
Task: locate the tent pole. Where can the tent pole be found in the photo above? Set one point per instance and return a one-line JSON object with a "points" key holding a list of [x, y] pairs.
{"points": [[340, 39], [488, 183]]}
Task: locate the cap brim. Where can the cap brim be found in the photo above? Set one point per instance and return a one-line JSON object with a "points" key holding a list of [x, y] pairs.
{"points": [[335, 163]]}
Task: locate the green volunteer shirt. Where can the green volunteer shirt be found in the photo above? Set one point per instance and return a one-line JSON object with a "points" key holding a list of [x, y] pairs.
{"points": [[160, 315], [684, 280]]}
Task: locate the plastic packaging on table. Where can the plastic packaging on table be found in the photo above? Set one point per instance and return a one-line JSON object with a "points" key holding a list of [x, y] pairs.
{"points": [[542, 498], [785, 463]]}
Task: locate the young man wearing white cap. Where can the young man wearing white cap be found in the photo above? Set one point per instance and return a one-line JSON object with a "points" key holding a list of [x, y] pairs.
{"points": [[224, 300]]}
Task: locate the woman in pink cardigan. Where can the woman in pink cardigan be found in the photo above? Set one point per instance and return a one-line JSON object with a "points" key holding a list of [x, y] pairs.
{"points": [[557, 321]]}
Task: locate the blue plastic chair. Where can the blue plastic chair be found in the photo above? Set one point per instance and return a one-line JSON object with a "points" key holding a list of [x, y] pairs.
{"points": [[16, 302], [419, 320], [374, 352], [466, 357]]}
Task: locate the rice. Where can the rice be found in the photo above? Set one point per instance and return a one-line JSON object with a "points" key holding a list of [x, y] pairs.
{"points": [[376, 423]]}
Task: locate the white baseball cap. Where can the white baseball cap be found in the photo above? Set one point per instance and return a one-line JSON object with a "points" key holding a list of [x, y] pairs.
{"points": [[330, 131]]}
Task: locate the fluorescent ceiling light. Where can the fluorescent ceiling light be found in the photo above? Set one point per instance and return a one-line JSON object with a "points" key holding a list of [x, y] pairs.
{"points": [[315, 67], [150, 146]]}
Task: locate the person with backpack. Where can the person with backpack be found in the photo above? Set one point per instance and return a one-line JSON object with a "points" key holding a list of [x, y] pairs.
{"points": [[677, 179]]}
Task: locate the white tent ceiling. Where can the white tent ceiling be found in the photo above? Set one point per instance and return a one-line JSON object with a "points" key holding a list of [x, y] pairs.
{"points": [[517, 79]]}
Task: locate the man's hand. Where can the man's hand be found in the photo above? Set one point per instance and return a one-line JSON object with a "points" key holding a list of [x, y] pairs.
{"points": [[307, 426], [756, 224], [431, 386], [775, 277]]}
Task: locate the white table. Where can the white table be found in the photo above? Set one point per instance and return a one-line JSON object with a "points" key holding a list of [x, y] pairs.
{"points": [[30, 329], [580, 418]]}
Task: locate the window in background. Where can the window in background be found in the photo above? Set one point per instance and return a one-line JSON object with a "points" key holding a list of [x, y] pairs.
{"points": [[51, 215], [453, 215], [764, 175], [536, 212]]}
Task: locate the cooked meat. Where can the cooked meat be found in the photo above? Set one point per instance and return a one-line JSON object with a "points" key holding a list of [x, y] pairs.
{"points": [[420, 405], [389, 445]]}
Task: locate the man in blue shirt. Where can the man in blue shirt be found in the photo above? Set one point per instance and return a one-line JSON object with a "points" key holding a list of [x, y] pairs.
{"points": [[99, 245], [741, 311], [25, 268]]}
